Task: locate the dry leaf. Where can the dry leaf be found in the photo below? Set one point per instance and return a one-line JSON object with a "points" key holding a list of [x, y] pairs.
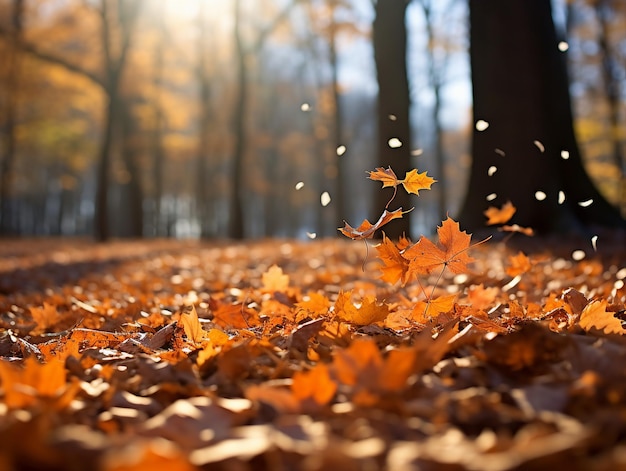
{"points": [[595, 315]]}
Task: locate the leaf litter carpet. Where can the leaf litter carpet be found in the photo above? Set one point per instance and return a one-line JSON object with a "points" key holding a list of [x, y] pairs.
{"points": [[285, 355]]}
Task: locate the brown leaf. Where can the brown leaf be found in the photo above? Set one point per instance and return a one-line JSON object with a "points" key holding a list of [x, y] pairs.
{"points": [[366, 229]]}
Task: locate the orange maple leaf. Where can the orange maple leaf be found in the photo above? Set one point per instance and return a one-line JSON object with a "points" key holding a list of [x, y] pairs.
{"points": [[424, 311], [412, 183], [595, 315], [366, 229], [520, 264], [500, 215], [45, 316], [23, 386], [385, 175], [367, 314], [315, 304], [481, 297], [316, 384], [451, 252], [395, 265]]}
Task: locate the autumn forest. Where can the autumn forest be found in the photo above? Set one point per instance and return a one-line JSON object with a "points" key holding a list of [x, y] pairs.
{"points": [[312, 234]]}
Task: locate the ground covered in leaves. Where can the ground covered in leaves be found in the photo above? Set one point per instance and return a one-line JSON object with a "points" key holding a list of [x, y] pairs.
{"points": [[285, 355]]}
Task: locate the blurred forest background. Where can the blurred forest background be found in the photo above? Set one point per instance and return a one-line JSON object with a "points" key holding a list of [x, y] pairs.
{"points": [[255, 118]]}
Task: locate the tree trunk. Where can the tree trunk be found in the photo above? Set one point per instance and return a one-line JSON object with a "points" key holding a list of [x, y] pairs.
{"points": [[236, 226], [612, 85], [520, 87], [390, 47], [7, 155], [134, 226], [126, 14]]}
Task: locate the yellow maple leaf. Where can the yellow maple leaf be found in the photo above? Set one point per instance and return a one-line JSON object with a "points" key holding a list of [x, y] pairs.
{"points": [[595, 315], [274, 279], [413, 181]]}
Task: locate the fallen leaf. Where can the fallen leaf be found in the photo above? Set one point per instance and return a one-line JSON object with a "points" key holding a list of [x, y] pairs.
{"points": [[595, 315], [315, 384], [275, 280], [192, 326]]}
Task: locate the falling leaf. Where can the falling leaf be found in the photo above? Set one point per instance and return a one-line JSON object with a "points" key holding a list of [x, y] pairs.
{"points": [[395, 266], [366, 229], [274, 279], [595, 315], [413, 182], [385, 175], [529, 231], [451, 252], [500, 216]]}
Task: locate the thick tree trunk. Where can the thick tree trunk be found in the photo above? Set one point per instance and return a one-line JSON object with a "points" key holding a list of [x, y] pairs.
{"points": [[520, 88], [7, 153], [390, 47]]}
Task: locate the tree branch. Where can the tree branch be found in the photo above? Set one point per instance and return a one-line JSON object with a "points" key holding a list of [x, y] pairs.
{"points": [[53, 59]]}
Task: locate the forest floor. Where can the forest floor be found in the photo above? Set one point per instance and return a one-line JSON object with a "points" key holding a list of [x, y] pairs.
{"points": [[292, 355]]}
